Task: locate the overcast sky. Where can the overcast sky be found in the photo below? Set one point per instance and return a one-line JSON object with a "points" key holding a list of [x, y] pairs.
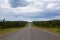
{"points": [[29, 10]]}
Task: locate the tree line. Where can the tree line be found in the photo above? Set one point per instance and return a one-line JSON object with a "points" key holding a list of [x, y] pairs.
{"points": [[50, 23], [12, 24]]}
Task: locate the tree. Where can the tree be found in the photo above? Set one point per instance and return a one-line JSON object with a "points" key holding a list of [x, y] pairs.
{"points": [[4, 20]]}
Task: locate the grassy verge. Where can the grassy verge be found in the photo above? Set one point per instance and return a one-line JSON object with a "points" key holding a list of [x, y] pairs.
{"points": [[53, 30], [4, 31]]}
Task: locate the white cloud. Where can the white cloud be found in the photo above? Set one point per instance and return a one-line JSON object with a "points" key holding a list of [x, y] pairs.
{"points": [[44, 1], [34, 6], [4, 4], [50, 1], [53, 6], [57, 17], [32, 9]]}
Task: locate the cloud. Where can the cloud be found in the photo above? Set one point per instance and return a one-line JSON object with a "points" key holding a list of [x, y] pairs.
{"points": [[4, 4], [54, 6], [57, 17], [29, 9], [18, 3], [51, 1]]}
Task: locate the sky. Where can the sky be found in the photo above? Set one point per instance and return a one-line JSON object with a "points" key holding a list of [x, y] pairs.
{"points": [[29, 10]]}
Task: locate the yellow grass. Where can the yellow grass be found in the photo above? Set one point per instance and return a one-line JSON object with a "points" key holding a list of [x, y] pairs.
{"points": [[4, 31], [54, 30]]}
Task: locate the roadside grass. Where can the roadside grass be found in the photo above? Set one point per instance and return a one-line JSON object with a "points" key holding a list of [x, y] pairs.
{"points": [[8, 30], [51, 29], [54, 30]]}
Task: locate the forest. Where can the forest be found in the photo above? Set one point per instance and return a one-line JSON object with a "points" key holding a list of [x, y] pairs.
{"points": [[12, 24], [50, 23]]}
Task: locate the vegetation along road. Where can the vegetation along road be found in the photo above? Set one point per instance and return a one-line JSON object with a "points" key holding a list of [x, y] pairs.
{"points": [[30, 33]]}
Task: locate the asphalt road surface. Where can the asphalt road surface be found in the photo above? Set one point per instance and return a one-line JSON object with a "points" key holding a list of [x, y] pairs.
{"points": [[30, 33]]}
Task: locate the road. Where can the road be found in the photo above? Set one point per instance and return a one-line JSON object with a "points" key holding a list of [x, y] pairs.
{"points": [[30, 33]]}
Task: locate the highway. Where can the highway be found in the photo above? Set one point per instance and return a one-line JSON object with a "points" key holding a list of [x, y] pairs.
{"points": [[30, 33]]}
